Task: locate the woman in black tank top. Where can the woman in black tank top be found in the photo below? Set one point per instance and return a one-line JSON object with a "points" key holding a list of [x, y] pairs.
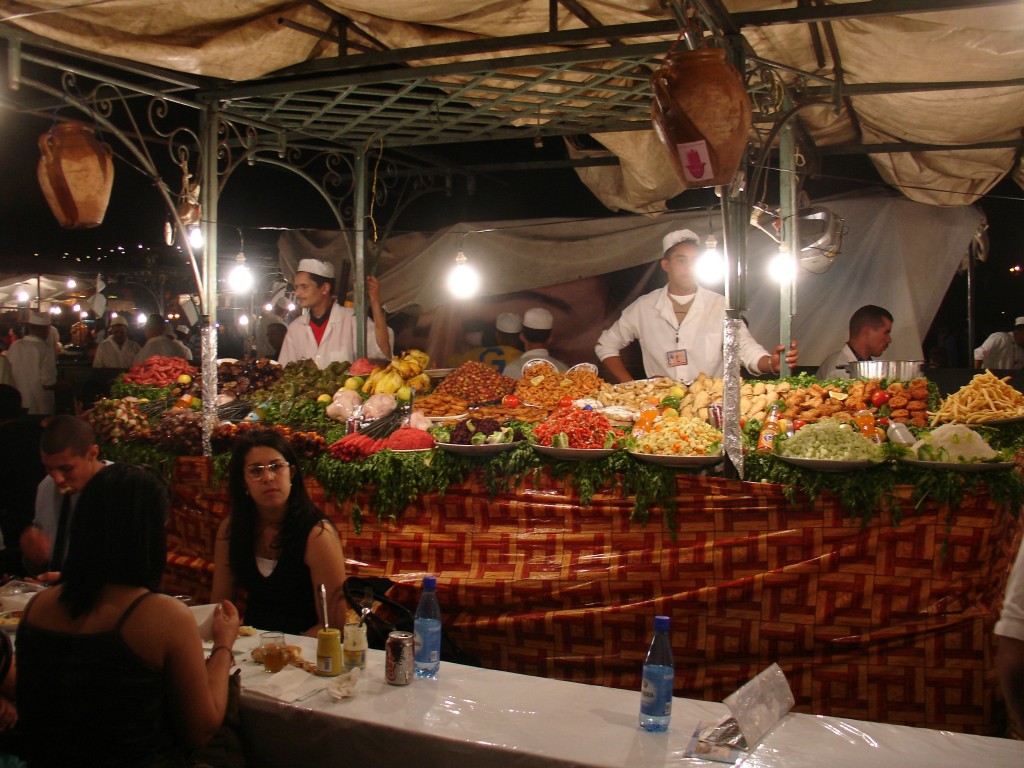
{"points": [[94, 652]]}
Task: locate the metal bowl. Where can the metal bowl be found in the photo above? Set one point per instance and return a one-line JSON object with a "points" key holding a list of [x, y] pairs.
{"points": [[885, 369], [868, 369], [905, 370]]}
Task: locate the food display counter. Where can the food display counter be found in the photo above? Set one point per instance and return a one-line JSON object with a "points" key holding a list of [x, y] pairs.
{"points": [[886, 617]]}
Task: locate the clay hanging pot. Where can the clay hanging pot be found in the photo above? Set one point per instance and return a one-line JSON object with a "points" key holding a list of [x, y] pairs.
{"points": [[701, 113], [76, 173]]}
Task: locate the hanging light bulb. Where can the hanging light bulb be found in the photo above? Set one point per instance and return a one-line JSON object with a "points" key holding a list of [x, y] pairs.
{"points": [[463, 280], [195, 237], [21, 296], [291, 306], [55, 309], [781, 267], [76, 307], [113, 315], [141, 319], [243, 320], [72, 284], [83, 314], [268, 307], [710, 268], [240, 279]]}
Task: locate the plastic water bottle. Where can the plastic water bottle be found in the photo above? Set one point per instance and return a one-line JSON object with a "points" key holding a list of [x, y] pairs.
{"points": [[427, 630], [659, 674]]}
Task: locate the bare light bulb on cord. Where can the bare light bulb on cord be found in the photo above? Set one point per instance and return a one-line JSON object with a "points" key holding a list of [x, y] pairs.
{"points": [[782, 267], [240, 280], [195, 237], [463, 280], [709, 268]]}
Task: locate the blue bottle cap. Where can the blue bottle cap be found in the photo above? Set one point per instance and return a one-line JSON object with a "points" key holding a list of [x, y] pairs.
{"points": [[661, 623], [429, 583]]}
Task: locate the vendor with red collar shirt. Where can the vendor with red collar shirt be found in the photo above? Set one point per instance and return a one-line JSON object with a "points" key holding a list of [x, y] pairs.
{"points": [[326, 331]]}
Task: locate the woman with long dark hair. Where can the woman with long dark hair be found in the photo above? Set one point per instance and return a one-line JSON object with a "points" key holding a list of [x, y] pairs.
{"points": [[276, 544], [111, 673]]}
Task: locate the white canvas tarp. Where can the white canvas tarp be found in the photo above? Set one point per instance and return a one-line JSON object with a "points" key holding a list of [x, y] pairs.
{"points": [[243, 41], [896, 253]]}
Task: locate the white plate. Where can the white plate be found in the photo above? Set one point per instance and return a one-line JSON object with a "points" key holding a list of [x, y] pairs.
{"points": [[956, 466], [573, 454], [442, 419], [676, 461], [828, 465], [411, 450], [997, 422], [487, 449], [438, 373]]}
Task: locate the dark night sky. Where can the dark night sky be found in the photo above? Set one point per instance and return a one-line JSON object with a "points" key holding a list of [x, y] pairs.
{"points": [[262, 197]]}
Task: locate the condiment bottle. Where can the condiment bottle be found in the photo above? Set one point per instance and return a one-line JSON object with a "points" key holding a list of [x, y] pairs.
{"points": [[771, 428], [865, 421], [328, 652], [328, 643]]}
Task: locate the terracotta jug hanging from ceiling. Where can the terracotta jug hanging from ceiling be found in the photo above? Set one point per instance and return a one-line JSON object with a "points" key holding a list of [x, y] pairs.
{"points": [[701, 113], [76, 173]]}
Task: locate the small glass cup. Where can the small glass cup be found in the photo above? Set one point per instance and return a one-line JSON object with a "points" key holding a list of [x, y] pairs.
{"points": [[272, 648], [353, 652]]}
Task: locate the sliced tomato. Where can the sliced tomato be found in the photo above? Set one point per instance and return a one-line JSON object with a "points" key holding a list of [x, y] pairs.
{"points": [[879, 398], [565, 402], [510, 401]]}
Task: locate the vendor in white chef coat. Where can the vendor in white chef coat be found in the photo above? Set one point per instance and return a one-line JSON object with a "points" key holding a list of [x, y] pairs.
{"points": [[680, 326], [326, 331]]}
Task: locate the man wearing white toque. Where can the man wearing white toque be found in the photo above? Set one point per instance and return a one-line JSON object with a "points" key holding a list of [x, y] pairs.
{"points": [[680, 326], [34, 366], [326, 331], [537, 325]]}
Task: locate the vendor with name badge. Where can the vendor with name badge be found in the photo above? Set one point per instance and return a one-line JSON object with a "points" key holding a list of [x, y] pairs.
{"points": [[326, 331], [680, 326]]}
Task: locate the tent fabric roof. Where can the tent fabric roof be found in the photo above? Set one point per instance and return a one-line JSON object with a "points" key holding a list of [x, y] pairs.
{"points": [[890, 74]]}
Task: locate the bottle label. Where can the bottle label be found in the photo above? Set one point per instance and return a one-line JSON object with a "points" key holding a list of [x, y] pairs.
{"points": [[656, 691], [427, 640]]}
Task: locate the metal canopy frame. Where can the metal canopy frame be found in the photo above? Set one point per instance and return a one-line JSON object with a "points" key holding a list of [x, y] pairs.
{"points": [[589, 80]]}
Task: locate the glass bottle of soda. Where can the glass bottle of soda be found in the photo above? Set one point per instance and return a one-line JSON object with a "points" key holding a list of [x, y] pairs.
{"points": [[771, 428]]}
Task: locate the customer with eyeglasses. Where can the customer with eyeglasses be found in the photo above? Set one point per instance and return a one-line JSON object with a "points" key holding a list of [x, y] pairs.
{"points": [[276, 544]]}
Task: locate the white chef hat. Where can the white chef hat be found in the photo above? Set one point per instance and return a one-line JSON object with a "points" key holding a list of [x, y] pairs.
{"points": [[316, 267], [182, 329], [673, 239], [36, 318], [509, 322], [119, 320], [1018, 322], [539, 319]]}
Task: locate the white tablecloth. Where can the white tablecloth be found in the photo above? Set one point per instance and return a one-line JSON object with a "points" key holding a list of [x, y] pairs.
{"points": [[478, 717]]}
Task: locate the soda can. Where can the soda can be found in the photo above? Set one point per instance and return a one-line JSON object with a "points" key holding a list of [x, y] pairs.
{"points": [[398, 653], [715, 415]]}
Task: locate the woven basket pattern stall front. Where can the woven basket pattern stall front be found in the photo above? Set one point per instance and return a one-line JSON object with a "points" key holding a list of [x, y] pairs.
{"points": [[878, 621]]}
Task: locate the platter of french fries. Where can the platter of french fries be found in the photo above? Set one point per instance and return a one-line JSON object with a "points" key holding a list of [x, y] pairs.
{"points": [[987, 399]]}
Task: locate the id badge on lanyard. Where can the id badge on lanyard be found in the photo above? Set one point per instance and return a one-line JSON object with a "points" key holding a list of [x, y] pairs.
{"points": [[676, 357]]}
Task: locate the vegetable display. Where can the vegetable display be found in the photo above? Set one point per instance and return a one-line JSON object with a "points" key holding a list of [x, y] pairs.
{"points": [[159, 371], [953, 443], [680, 436], [831, 440], [575, 428]]}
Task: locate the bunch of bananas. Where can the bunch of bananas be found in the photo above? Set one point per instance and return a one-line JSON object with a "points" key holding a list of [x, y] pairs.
{"points": [[404, 371]]}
